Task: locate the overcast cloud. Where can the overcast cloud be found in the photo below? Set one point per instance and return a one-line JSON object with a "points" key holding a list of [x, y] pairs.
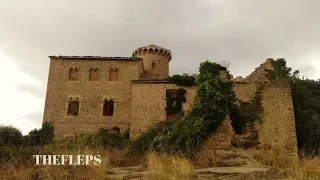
{"points": [[243, 32]]}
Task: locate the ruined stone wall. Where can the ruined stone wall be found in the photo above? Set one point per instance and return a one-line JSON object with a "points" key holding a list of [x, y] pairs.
{"points": [[221, 139], [244, 91], [278, 130], [149, 103], [91, 95]]}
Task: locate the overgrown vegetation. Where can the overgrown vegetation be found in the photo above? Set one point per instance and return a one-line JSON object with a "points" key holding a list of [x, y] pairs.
{"points": [[169, 167], [141, 146], [212, 103], [306, 101], [246, 112], [174, 104], [108, 138], [40, 137], [183, 80], [10, 136]]}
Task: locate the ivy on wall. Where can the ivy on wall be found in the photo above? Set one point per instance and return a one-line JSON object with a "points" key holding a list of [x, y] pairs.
{"points": [[187, 134], [174, 104], [183, 80]]}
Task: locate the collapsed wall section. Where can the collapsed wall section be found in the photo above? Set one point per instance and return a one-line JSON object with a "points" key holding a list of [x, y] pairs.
{"points": [[278, 132], [148, 104]]}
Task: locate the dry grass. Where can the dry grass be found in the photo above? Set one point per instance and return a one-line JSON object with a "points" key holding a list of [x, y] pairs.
{"points": [[21, 165], [169, 167], [311, 167], [280, 165], [26, 172]]}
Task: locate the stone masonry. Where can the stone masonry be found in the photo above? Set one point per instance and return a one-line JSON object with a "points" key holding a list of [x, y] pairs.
{"points": [[137, 97]]}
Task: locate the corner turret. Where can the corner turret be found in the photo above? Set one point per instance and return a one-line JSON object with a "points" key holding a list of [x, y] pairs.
{"points": [[155, 61]]}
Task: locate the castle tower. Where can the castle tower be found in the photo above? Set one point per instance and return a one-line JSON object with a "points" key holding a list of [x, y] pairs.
{"points": [[155, 61]]}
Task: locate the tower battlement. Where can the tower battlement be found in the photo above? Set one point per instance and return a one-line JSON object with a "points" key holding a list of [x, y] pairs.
{"points": [[155, 61], [153, 50]]}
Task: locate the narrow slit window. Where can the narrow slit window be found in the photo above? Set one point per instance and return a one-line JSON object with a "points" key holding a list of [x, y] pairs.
{"points": [[153, 65]]}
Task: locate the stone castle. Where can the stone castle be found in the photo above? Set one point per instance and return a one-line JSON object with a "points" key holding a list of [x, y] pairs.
{"points": [[85, 93]]}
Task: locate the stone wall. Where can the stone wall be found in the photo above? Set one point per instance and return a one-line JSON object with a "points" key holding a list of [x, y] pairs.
{"points": [[244, 91], [221, 139], [91, 95], [149, 102], [278, 130], [140, 104]]}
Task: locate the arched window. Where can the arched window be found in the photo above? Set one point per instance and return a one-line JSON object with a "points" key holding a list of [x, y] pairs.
{"points": [[113, 75], [153, 65], [108, 107], [94, 75], [73, 107], [116, 76], [73, 74]]}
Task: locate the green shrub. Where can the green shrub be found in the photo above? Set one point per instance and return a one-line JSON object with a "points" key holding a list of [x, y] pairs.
{"points": [[40, 137], [10, 136], [107, 138], [183, 80], [142, 145]]}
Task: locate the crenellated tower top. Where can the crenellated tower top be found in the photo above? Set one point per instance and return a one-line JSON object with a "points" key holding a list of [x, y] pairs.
{"points": [[153, 50], [155, 61]]}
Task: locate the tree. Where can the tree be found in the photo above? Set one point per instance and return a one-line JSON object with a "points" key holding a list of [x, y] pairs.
{"points": [[41, 136], [225, 64], [10, 136]]}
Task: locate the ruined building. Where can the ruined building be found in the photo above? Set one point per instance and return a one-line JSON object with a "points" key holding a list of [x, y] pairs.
{"points": [[85, 93]]}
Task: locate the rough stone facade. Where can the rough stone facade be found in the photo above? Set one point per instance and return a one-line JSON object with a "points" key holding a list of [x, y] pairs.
{"points": [[149, 102], [139, 100], [275, 131]]}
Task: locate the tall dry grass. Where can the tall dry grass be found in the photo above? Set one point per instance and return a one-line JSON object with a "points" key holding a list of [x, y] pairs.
{"points": [[310, 166], [19, 163], [162, 167], [281, 166], [51, 172]]}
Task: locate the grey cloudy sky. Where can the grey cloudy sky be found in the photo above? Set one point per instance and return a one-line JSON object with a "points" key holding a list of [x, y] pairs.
{"points": [[243, 32]]}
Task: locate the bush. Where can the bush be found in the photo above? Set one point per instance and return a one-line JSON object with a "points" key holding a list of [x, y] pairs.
{"points": [[10, 136], [141, 146], [40, 137], [107, 138]]}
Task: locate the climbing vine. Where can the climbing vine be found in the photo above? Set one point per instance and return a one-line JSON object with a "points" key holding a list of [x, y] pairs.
{"points": [[247, 112], [174, 104], [183, 80], [187, 134]]}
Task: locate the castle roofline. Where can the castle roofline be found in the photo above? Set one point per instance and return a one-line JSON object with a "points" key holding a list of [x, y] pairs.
{"points": [[96, 58], [144, 81], [153, 49]]}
